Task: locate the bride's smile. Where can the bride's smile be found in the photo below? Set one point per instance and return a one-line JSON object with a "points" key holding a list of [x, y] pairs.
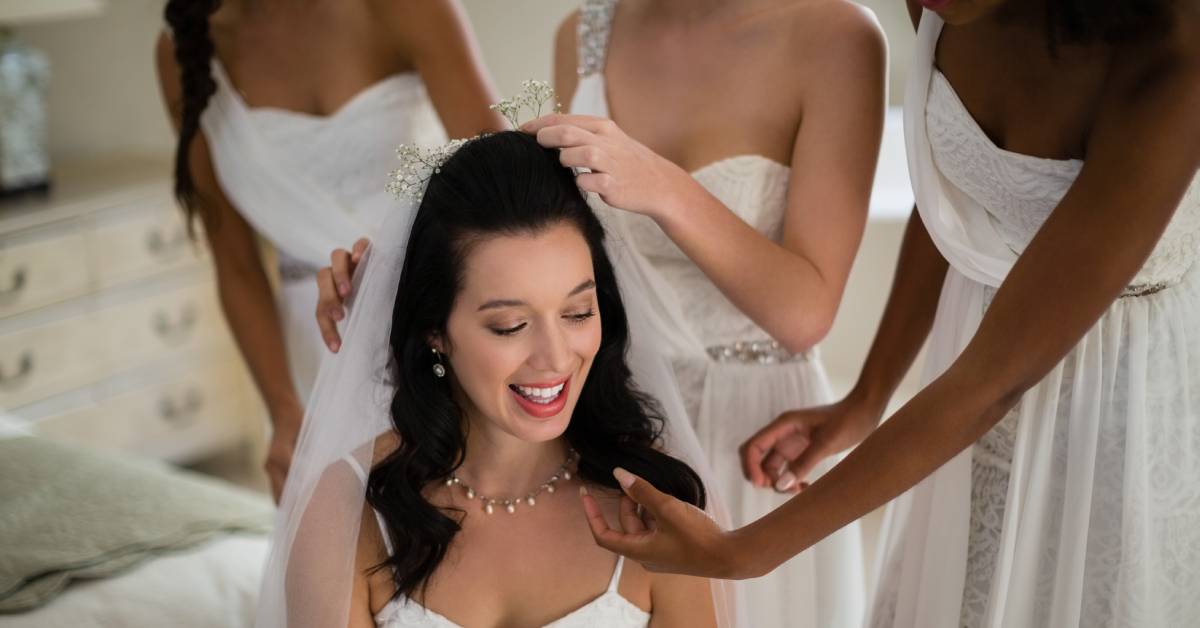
{"points": [[523, 333]]}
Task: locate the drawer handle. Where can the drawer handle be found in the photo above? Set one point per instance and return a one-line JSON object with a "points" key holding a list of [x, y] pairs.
{"points": [[16, 284], [181, 413], [162, 247], [9, 381], [177, 330]]}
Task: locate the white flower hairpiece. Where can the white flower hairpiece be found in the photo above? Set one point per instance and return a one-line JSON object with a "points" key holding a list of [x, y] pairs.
{"points": [[418, 164]]}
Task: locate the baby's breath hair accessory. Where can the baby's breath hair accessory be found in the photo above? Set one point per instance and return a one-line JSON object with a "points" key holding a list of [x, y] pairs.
{"points": [[534, 96], [418, 164]]}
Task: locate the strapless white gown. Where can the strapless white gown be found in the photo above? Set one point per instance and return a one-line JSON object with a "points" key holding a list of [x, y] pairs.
{"points": [[310, 184], [1081, 508], [733, 378]]}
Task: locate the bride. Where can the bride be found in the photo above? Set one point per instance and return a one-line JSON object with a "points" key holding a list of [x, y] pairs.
{"points": [[482, 385]]}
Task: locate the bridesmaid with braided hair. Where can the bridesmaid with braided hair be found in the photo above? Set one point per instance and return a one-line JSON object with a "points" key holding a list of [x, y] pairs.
{"points": [[287, 115]]}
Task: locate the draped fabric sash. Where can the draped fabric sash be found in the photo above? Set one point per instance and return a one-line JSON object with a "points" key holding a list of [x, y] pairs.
{"points": [[300, 218], [1079, 543]]}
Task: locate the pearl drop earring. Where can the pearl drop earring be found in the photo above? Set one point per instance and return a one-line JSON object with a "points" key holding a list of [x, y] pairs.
{"points": [[439, 371]]}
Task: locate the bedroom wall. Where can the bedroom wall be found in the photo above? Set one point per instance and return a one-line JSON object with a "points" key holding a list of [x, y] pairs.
{"points": [[104, 98]]}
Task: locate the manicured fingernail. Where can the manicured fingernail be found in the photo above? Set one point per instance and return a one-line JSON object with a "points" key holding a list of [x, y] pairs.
{"points": [[624, 478], [785, 481], [343, 288], [334, 346], [583, 490], [338, 314]]}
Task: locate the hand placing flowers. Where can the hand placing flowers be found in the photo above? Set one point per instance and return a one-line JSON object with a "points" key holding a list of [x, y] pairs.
{"points": [[625, 173]]}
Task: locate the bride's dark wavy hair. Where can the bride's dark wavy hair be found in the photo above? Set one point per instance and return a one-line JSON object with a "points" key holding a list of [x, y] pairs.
{"points": [[499, 185]]}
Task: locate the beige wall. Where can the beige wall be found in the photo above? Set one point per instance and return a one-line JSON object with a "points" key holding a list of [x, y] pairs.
{"points": [[104, 96], [104, 93]]}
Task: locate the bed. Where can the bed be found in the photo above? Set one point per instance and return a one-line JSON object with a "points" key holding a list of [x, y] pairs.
{"points": [[90, 539]]}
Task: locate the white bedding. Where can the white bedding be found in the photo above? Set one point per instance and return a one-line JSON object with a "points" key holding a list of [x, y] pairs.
{"points": [[212, 585]]}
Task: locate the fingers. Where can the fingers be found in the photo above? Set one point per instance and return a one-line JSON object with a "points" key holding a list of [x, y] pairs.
{"points": [[329, 309], [356, 251], [598, 182], [755, 450], [631, 520], [642, 492], [628, 544], [590, 157], [566, 136], [804, 465], [752, 455], [343, 269], [591, 123]]}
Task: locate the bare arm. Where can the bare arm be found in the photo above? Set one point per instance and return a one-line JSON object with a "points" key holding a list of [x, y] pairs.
{"points": [[439, 39], [1144, 152], [791, 288], [242, 285], [799, 440]]}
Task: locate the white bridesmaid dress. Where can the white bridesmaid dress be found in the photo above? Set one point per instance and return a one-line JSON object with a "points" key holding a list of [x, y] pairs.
{"points": [[310, 184], [732, 376], [1081, 508]]}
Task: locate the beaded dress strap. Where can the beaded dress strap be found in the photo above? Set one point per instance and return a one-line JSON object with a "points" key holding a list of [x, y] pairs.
{"points": [[595, 21]]}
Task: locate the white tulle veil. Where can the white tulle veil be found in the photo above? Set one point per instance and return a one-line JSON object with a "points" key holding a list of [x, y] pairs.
{"points": [[311, 566]]}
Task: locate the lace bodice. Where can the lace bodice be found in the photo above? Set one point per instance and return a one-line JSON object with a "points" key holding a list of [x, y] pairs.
{"points": [[1019, 191], [753, 187]]}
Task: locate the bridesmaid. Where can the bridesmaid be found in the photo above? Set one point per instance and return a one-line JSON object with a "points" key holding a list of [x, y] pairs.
{"points": [[740, 155], [287, 115], [1055, 448]]}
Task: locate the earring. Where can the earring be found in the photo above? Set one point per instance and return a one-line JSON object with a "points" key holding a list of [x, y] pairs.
{"points": [[439, 371]]}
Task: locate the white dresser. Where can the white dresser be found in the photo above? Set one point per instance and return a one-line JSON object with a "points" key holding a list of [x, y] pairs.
{"points": [[111, 334]]}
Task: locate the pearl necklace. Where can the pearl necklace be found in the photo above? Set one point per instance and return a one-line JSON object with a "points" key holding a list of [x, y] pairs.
{"points": [[510, 505]]}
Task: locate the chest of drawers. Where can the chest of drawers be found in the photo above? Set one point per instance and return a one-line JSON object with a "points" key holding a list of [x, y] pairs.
{"points": [[111, 334]]}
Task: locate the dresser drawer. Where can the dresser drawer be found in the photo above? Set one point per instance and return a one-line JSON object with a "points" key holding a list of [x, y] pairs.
{"points": [[43, 361], [183, 319], [151, 238], [180, 419], [39, 272]]}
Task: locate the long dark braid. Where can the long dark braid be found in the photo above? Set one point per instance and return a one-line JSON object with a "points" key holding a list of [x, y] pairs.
{"points": [[188, 20]]}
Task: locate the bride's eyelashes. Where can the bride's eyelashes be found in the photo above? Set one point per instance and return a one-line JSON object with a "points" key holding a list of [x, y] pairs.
{"points": [[508, 331], [574, 318], [580, 317]]}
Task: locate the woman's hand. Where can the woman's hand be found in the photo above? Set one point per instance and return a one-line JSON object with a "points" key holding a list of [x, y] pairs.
{"points": [[284, 433], [668, 535], [784, 452], [333, 287], [625, 173]]}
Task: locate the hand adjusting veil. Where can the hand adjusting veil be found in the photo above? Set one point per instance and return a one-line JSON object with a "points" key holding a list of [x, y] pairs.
{"points": [[310, 570]]}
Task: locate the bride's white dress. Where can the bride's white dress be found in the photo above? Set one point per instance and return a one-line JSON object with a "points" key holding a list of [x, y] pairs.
{"points": [[310, 184], [1081, 508], [732, 377]]}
